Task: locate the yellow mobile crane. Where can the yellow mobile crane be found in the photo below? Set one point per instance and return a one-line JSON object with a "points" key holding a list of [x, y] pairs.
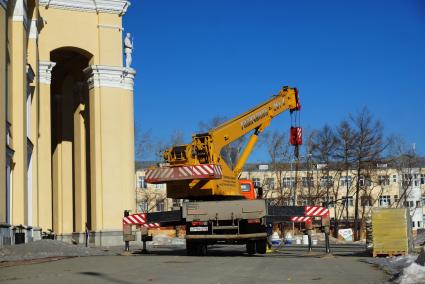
{"points": [[197, 171], [217, 210]]}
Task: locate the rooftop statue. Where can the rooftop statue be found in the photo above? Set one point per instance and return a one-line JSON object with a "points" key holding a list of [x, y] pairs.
{"points": [[128, 50]]}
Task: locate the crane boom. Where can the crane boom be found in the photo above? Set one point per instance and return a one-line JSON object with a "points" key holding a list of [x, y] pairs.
{"points": [[191, 171]]}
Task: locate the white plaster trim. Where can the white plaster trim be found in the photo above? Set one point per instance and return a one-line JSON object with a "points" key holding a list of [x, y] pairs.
{"points": [[33, 34], [45, 71], [103, 6], [110, 27], [110, 76], [3, 3], [20, 13]]}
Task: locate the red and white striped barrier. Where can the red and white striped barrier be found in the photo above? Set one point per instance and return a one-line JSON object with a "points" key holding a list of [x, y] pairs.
{"points": [[316, 211], [205, 171], [300, 219], [139, 219]]}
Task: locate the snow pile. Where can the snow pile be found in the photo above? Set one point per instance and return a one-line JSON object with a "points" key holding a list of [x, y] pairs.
{"points": [[413, 274]]}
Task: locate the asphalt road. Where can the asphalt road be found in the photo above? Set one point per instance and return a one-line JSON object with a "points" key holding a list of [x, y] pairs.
{"points": [[224, 264]]}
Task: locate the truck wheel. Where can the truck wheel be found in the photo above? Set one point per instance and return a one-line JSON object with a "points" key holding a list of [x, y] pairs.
{"points": [[261, 246], [202, 249], [190, 248], [250, 247]]}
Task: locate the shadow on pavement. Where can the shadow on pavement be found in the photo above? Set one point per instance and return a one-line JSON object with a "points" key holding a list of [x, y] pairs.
{"points": [[104, 277]]}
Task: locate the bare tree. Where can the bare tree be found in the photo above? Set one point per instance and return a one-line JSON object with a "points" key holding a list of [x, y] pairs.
{"points": [[344, 157], [143, 144], [405, 160], [369, 145], [324, 150], [280, 154], [149, 198], [177, 138]]}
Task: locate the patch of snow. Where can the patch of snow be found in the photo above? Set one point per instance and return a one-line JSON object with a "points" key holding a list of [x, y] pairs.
{"points": [[413, 274]]}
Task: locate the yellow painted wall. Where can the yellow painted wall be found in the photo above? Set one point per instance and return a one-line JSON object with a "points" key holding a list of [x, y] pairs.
{"points": [[86, 33], [3, 25]]}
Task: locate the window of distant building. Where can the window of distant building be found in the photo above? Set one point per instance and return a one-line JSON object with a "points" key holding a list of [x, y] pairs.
{"points": [[407, 179], [348, 202], [395, 198], [177, 202], [328, 202], [366, 201], [256, 182], [326, 181], [143, 206], [394, 178], [270, 183], [422, 179], [307, 181], [385, 200], [288, 182], [141, 182], [346, 181], [159, 205], [365, 181], [384, 180]]}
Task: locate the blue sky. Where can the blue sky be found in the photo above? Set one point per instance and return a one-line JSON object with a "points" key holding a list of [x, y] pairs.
{"points": [[199, 59]]}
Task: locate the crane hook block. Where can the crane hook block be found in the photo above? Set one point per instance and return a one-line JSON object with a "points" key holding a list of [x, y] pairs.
{"points": [[296, 136]]}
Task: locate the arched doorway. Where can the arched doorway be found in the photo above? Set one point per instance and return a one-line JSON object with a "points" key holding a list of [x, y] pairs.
{"points": [[70, 141]]}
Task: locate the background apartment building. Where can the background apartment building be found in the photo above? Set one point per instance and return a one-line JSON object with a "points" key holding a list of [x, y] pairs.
{"points": [[383, 186]]}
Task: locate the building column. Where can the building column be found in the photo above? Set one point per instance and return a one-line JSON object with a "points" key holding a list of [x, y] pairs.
{"points": [[44, 198], [33, 118], [111, 144], [19, 118], [3, 119], [80, 163]]}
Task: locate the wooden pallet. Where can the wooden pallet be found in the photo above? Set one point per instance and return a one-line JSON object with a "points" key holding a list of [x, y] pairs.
{"points": [[389, 253]]}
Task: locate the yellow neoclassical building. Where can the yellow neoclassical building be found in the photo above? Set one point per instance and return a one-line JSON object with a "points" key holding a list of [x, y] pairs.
{"points": [[66, 119]]}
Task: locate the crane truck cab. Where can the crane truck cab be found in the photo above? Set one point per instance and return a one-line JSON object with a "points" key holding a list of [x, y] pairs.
{"points": [[247, 189]]}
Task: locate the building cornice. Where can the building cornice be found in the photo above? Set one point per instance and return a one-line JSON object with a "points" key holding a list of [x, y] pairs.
{"points": [[3, 3], [95, 6], [110, 76], [45, 71]]}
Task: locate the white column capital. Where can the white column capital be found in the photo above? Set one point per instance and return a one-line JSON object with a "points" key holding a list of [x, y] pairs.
{"points": [[45, 71], [110, 76], [95, 6]]}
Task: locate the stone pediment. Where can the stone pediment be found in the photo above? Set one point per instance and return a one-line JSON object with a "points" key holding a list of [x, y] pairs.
{"points": [[96, 6]]}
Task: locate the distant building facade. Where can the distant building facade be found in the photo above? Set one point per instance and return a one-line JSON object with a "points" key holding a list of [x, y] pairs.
{"points": [[382, 186]]}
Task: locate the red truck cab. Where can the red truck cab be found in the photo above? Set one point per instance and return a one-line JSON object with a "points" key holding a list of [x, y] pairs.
{"points": [[247, 188]]}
